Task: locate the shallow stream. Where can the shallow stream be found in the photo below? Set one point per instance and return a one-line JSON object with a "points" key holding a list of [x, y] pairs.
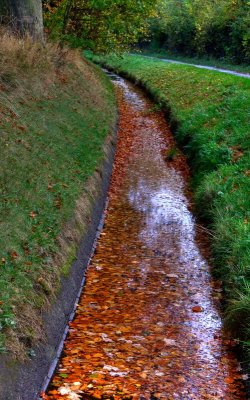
{"points": [[148, 324]]}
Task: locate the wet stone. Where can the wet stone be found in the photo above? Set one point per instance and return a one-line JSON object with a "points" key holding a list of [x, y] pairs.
{"points": [[147, 325]]}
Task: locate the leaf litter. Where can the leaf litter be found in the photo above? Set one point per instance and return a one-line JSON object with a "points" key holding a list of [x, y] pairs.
{"points": [[148, 324]]}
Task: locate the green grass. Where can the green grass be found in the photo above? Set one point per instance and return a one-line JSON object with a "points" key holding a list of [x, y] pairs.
{"points": [[212, 62], [209, 113], [54, 122]]}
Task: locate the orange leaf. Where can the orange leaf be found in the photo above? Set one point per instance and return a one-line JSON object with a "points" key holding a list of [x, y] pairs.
{"points": [[197, 309]]}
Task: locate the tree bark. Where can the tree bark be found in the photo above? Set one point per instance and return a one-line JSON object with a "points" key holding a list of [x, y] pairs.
{"points": [[23, 16]]}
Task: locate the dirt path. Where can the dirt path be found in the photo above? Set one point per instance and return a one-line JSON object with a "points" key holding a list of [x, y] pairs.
{"points": [[147, 326]]}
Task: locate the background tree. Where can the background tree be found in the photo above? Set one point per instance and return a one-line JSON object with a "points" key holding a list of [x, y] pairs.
{"points": [[23, 16], [174, 27], [218, 28], [99, 25]]}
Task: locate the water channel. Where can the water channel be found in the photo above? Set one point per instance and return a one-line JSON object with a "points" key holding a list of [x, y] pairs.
{"points": [[148, 323]]}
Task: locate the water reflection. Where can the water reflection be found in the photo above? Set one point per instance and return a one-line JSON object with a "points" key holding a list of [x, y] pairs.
{"points": [[158, 193]]}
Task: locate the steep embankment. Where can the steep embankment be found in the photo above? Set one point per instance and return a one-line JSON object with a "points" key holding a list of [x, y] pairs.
{"points": [[56, 112], [209, 112]]}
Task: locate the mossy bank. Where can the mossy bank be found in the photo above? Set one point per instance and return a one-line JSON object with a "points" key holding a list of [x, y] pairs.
{"points": [[209, 113], [58, 117]]}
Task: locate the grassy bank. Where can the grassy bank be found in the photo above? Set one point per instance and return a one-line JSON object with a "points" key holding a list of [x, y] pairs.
{"points": [[56, 110], [211, 62], [209, 113]]}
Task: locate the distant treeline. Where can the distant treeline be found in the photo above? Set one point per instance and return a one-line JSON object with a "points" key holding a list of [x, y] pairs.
{"points": [[216, 28]]}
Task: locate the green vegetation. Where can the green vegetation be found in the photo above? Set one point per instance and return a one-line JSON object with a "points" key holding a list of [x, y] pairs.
{"points": [[55, 113], [209, 112], [99, 25], [211, 62], [219, 29]]}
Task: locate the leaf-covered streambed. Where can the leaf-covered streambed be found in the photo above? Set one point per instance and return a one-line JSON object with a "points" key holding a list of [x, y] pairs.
{"points": [[148, 324]]}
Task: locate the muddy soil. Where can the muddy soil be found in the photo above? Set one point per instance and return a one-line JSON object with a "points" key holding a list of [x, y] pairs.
{"points": [[148, 324]]}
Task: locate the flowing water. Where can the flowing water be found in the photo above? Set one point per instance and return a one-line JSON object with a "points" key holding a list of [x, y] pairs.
{"points": [[148, 324]]}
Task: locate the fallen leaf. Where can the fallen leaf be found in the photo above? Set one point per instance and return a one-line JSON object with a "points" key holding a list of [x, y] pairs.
{"points": [[22, 128], [14, 255], [229, 380], [197, 309], [33, 214]]}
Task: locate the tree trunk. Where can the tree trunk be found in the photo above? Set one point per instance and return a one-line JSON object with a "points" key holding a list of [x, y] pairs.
{"points": [[23, 16]]}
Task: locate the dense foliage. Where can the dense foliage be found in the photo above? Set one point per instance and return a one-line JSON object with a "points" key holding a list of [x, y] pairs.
{"points": [[99, 25], [219, 28]]}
